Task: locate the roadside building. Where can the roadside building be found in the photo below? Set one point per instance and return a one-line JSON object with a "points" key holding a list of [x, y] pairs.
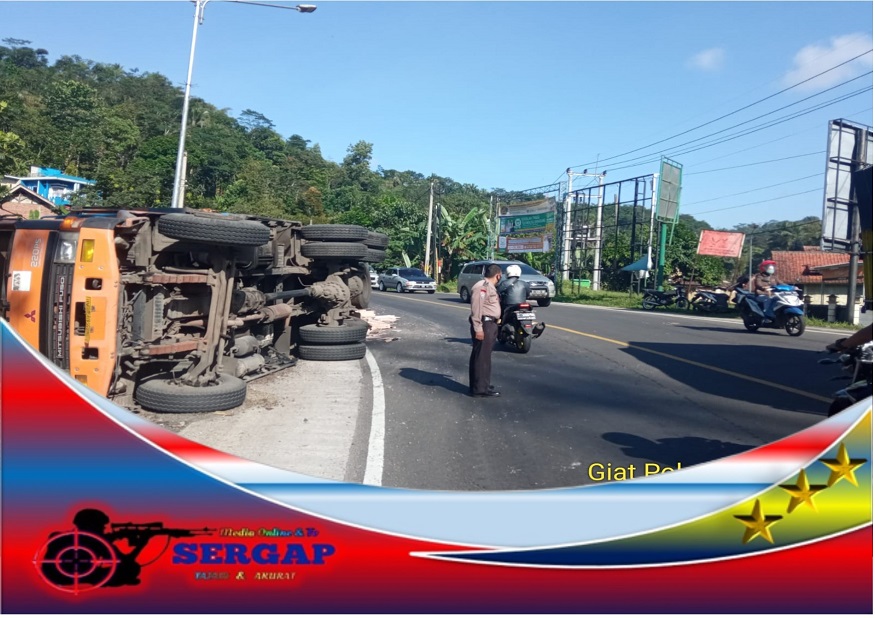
{"points": [[21, 201], [819, 274], [53, 185]]}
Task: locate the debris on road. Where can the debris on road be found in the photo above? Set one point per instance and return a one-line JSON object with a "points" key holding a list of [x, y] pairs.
{"points": [[381, 325]]}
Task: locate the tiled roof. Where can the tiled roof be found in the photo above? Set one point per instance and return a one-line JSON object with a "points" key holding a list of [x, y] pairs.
{"points": [[797, 266]]}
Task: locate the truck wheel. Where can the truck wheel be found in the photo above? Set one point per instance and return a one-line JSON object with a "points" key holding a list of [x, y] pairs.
{"points": [[350, 332], [375, 255], [544, 302], [377, 240], [339, 250], [216, 229], [328, 231], [160, 394], [350, 351]]}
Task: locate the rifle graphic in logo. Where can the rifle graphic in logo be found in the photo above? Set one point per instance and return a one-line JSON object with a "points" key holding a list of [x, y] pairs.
{"points": [[88, 557]]}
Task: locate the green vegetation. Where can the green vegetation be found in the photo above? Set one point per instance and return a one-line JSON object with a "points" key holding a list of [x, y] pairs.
{"points": [[120, 127]]}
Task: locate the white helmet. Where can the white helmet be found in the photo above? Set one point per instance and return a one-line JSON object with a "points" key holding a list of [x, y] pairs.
{"points": [[514, 271]]}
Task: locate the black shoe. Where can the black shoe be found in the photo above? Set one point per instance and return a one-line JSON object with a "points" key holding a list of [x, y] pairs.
{"points": [[487, 394]]}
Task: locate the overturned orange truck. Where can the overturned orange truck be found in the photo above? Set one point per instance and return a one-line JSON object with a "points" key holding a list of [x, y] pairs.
{"points": [[175, 310]]}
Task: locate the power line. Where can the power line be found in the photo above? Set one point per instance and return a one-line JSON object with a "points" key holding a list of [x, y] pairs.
{"points": [[783, 197], [782, 229], [634, 162], [786, 182], [772, 123], [723, 169], [735, 111]]}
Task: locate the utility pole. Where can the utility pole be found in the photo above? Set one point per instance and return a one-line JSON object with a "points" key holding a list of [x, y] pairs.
{"points": [[597, 257], [566, 231], [490, 224], [653, 182], [428, 230]]}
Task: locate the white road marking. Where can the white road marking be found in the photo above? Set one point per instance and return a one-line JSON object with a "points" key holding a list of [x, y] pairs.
{"points": [[376, 443]]}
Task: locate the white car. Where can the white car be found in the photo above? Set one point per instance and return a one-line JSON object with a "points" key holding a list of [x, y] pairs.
{"points": [[406, 280], [375, 278]]}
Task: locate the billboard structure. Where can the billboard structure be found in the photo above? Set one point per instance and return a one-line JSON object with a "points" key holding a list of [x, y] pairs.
{"points": [[668, 195], [607, 228], [527, 227], [849, 148]]}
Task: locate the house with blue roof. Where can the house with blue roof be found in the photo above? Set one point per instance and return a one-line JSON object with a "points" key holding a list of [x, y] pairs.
{"points": [[51, 184]]}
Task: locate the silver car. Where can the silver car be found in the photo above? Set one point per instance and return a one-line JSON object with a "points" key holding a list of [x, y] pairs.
{"points": [[406, 280], [540, 287]]}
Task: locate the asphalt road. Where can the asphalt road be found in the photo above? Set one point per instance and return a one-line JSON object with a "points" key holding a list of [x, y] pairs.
{"points": [[603, 395]]}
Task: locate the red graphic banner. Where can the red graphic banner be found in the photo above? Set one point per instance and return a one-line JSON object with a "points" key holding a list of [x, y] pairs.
{"points": [[720, 244]]}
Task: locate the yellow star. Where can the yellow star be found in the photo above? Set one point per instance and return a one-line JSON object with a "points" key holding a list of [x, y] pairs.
{"points": [[757, 524], [842, 467], [802, 492]]}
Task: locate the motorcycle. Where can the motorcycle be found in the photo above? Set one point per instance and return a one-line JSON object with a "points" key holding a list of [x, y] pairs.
{"points": [[656, 298], [709, 301], [857, 363], [518, 327], [788, 310]]}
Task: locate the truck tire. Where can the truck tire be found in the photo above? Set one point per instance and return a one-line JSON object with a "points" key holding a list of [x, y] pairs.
{"points": [[351, 332], [377, 240], [338, 250], [350, 351], [375, 256], [328, 231], [214, 230], [160, 394]]}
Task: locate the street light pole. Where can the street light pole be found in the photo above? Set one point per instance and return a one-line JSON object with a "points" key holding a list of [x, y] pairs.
{"points": [[179, 176], [178, 180]]}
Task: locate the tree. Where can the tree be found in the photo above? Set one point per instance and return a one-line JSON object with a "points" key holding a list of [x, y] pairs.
{"points": [[11, 149], [250, 119], [463, 238]]}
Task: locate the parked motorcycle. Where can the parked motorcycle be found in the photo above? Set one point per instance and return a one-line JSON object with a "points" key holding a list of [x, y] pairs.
{"points": [[519, 326], [858, 364], [709, 301], [788, 310], [656, 298]]}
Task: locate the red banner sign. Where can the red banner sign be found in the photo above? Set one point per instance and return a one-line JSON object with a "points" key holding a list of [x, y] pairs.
{"points": [[720, 244]]}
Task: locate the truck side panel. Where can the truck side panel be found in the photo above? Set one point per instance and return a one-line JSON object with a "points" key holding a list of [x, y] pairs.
{"points": [[24, 291]]}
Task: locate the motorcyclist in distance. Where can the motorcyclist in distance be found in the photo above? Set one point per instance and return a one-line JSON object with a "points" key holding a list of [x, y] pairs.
{"points": [[512, 291], [763, 283]]}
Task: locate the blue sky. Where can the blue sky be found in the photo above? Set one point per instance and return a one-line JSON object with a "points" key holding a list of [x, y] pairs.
{"points": [[510, 94]]}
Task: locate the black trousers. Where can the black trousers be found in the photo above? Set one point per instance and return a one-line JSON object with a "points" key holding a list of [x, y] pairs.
{"points": [[480, 364]]}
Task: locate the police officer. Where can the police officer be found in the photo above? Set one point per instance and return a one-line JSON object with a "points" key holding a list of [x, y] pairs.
{"points": [[485, 311]]}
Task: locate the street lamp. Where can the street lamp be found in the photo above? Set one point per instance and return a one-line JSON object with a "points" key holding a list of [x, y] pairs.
{"points": [[178, 178]]}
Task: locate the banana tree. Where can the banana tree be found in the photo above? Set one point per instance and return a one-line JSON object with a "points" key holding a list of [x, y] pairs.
{"points": [[463, 238]]}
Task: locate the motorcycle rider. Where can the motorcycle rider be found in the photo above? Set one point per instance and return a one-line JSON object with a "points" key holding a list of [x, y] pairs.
{"points": [[511, 291], [763, 283]]}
